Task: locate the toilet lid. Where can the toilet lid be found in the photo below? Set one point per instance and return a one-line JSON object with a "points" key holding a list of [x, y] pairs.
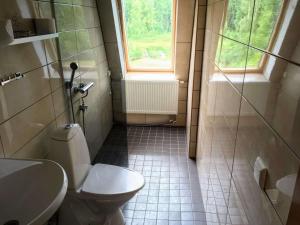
{"points": [[106, 179]]}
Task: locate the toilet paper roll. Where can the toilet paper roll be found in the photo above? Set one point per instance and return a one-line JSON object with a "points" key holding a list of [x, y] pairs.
{"points": [[6, 32]]}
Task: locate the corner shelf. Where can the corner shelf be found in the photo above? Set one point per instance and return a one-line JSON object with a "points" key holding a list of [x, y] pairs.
{"points": [[33, 38]]}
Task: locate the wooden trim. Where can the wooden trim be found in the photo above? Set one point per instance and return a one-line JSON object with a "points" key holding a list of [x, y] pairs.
{"points": [[125, 44]]}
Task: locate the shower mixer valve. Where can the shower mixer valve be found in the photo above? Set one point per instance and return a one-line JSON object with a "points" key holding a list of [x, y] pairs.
{"points": [[83, 88]]}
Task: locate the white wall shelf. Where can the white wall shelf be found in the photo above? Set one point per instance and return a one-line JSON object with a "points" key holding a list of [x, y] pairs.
{"points": [[33, 38]]}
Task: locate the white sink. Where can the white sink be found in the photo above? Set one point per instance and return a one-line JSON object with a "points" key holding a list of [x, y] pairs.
{"points": [[30, 191]]}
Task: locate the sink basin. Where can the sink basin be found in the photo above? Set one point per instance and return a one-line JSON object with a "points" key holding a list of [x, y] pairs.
{"points": [[30, 191]]}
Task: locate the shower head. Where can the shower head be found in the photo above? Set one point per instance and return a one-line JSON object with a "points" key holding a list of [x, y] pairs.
{"points": [[73, 67]]}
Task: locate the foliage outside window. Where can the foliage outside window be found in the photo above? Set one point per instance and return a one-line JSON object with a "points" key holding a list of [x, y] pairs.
{"points": [[237, 27], [148, 33]]}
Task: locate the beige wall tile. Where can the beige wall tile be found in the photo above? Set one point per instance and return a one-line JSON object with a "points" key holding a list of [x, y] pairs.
{"points": [[182, 94], [56, 75], [200, 39], [51, 50], [196, 99], [116, 89], [60, 101], [202, 2], [195, 114], [64, 17], [136, 119], [194, 130], [63, 118], [159, 119], [38, 147], [22, 58], [198, 61], [185, 18], [117, 105], [20, 94], [119, 117], [192, 149], [181, 120], [201, 17], [27, 124], [197, 81], [1, 150], [182, 106], [182, 60]]}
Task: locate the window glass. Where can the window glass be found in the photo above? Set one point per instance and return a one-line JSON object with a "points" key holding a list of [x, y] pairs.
{"points": [[148, 34]]}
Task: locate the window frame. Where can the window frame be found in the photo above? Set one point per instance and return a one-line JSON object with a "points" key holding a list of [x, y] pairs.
{"points": [[130, 69], [263, 61]]}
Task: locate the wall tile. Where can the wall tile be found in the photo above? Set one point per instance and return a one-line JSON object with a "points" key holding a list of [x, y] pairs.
{"points": [[51, 50], [64, 15], [136, 118], [181, 120], [201, 17], [159, 119], [185, 20], [182, 94], [197, 81], [182, 61], [84, 17], [1, 151], [56, 75], [67, 44], [198, 60], [195, 114], [63, 119], [45, 10], [23, 127], [22, 58], [200, 39], [59, 101], [196, 99], [182, 107], [38, 147], [21, 94]]}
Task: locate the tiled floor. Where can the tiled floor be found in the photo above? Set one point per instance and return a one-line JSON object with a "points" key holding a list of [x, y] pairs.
{"points": [[172, 193]]}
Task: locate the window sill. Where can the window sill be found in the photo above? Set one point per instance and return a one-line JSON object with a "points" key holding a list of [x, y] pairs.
{"points": [[239, 78], [151, 76]]}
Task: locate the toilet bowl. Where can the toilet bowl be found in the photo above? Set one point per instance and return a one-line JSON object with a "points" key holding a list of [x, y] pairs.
{"points": [[95, 193]]}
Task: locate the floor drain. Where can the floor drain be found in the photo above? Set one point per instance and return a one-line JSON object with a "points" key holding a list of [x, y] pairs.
{"points": [[12, 222]]}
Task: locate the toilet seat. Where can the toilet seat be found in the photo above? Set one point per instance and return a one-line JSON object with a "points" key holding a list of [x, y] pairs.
{"points": [[108, 181]]}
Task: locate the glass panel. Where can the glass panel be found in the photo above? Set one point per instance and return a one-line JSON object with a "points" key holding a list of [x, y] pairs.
{"points": [[275, 94], [276, 28], [238, 20], [149, 33], [266, 14], [232, 61], [257, 141]]}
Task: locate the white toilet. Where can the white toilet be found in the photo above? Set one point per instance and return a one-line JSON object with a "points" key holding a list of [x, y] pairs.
{"points": [[95, 193]]}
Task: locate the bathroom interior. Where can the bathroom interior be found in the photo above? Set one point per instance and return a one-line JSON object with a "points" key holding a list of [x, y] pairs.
{"points": [[156, 112]]}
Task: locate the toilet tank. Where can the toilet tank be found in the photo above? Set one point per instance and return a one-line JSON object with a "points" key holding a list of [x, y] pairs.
{"points": [[68, 147]]}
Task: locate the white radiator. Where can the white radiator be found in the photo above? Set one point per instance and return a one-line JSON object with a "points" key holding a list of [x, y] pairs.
{"points": [[150, 96]]}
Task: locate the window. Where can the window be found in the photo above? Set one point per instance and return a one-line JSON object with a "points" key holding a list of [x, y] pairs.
{"points": [[263, 22], [148, 32]]}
